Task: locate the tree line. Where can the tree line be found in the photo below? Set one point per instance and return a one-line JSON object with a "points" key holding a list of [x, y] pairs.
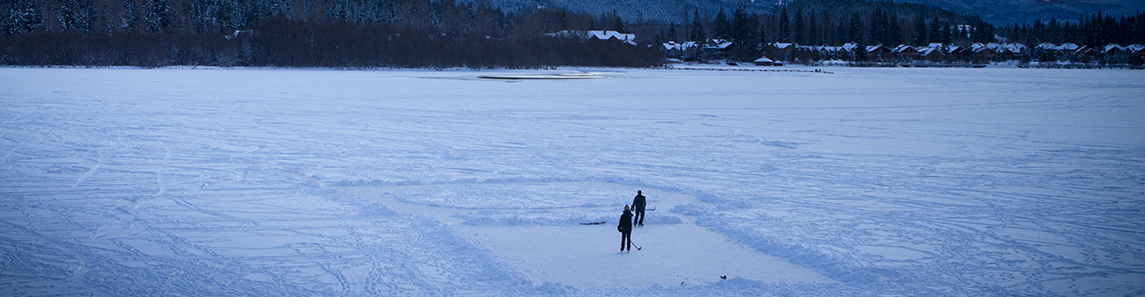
{"points": [[837, 22], [303, 33], [445, 33], [1096, 30], [830, 22]]}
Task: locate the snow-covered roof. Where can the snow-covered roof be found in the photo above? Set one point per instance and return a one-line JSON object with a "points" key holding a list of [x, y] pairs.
{"points": [[598, 34], [764, 60], [872, 48], [1058, 47], [829, 48], [932, 46], [719, 44], [781, 45], [927, 51], [980, 47], [606, 35], [1007, 47], [672, 45], [902, 48], [1111, 47]]}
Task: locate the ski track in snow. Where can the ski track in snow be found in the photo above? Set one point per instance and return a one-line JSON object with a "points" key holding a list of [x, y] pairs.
{"points": [[128, 182]]}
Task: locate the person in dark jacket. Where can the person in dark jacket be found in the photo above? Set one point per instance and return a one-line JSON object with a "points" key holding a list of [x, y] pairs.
{"points": [[625, 229], [638, 204]]}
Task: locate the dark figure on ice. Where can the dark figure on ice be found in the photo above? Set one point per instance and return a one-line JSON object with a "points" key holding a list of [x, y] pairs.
{"points": [[625, 229], [638, 204]]}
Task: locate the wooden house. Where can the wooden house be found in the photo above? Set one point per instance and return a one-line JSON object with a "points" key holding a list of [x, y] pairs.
{"points": [[932, 53], [906, 53], [879, 53], [981, 53], [779, 51]]}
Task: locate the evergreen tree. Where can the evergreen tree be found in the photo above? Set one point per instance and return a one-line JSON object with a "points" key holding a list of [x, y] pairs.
{"points": [[1106, 27], [813, 30], [158, 17], [842, 32], [797, 27], [1053, 32], [827, 34], [741, 27], [721, 26], [855, 31], [129, 20], [74, 16], [860, 51], [935, 31], [23, 17], [743, 34], [1032, 38], [1067, 32], [763, 36], [784, 26], [697, 28], [983, 33], [947, 38], [921, 37], [894, 30], [878, 31], [1092, 31]]}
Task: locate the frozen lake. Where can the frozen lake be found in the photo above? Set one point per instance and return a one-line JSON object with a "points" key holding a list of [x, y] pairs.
{"points": [[262, 182]]}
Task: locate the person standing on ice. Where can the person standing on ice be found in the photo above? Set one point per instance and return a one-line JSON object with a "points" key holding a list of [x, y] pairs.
{"points": [[638, 204], [625, 229]]}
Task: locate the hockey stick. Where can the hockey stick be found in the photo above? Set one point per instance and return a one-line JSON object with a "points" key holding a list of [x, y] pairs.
{"points": [[634, 244]]}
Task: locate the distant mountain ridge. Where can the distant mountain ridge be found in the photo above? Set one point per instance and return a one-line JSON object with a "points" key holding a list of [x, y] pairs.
{"points": [[664, 11], [1006, 12], [997, 12]]}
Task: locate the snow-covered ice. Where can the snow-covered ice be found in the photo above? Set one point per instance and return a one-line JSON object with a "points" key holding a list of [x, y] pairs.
{"points": [[410, 182], [556, 245]]}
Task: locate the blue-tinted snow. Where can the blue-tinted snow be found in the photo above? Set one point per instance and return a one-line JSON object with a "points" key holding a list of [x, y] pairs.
{"points": [[892, 181]]}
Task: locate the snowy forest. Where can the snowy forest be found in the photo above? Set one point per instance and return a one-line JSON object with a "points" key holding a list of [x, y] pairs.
{"points": [[1093, 31], [424, 33], [296, 33]]}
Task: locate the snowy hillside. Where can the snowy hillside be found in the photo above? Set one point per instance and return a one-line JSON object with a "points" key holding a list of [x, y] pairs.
{"points": [[255, 182]]}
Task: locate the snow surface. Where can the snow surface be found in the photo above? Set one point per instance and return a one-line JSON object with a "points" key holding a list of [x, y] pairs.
{"points": [[552, 244], [259, 182]]}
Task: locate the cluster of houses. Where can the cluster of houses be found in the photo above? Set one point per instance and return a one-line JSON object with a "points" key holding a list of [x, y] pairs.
{"points": [[977, 53], [596, 34]]}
